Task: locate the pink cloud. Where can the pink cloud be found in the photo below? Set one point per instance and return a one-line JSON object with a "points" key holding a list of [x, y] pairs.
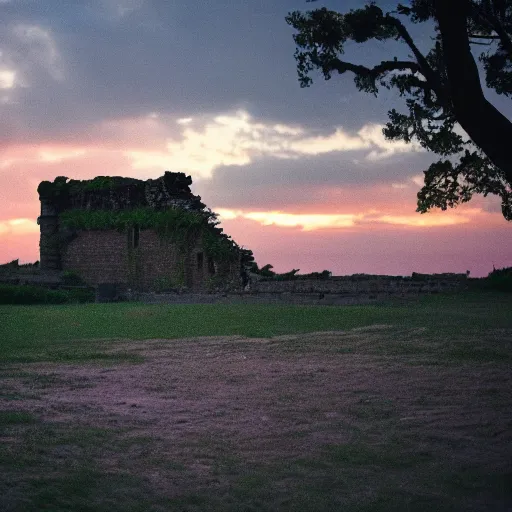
{"points": [[376, 229], [394, 250]]}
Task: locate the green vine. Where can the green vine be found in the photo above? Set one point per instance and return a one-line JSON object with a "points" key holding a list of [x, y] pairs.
{"points": [[61, 188], [219, 246], [180, 226]]}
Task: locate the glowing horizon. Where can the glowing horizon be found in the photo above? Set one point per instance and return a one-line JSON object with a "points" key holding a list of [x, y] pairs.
{"points": [[233, 142]]}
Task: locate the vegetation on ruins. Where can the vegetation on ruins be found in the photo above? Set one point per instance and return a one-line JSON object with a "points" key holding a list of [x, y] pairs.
{"points": [[180, 226], [106, 203], [268, 274], [500, 279], [441, 88], [64, 193]]}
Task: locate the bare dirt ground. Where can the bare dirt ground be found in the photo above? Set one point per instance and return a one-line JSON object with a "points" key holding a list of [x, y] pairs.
{"points": [[271, 424]]}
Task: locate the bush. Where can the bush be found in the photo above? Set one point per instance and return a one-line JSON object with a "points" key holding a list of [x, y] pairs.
{"points": [[81, 295], [500, 279], [72, 278], [21, 294], [26, 294]]}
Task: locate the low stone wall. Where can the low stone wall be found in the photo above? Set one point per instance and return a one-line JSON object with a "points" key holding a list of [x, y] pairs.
{"points": [[343, 290], [363, 285], [254, 298], [47, 279], [338, 290]]}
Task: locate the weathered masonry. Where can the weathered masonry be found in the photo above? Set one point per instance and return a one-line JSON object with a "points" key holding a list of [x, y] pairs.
{"points": [[152, 235]]}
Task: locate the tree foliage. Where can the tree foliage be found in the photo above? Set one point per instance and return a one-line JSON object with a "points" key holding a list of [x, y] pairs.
{"points": [[441, 88]]}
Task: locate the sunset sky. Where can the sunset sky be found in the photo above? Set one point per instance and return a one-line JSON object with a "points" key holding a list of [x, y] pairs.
{"points": [[303, 177]]}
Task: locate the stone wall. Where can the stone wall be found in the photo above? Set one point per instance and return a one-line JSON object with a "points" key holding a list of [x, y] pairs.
{"points": [[109, 257], [172, 190], [49, 242], [362, 285], [98, 257], [336, 291], [154, 264], [102, 255]]}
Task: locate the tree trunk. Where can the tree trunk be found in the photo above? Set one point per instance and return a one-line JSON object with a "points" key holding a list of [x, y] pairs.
{"points": [[488, 128]]}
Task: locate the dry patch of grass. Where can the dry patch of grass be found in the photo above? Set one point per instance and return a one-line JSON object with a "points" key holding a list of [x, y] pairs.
{"points": [[367, 419]]}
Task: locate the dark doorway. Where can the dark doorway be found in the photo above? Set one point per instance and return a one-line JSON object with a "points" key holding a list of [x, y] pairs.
{"points": [[200, 260]]}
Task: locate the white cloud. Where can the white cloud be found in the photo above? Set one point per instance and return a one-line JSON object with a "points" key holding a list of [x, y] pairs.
{"points": [[41, 155], [382, 148], [7, 79], [316, 221], [424, 220], [199, 145], [6, 163], [18, 227], [284, 129], [418, 180], [308, 222], [340, 140], [122, 8], [57, 155]]}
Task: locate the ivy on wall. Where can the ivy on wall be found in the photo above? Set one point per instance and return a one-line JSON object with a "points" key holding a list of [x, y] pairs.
{"points": [[180, 226], [165, 205], [61, 188]]}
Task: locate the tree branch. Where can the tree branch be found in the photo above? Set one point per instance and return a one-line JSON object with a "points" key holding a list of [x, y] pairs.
{"points": [[487, 127], [385, 66], [430, 75], [496, 25]]}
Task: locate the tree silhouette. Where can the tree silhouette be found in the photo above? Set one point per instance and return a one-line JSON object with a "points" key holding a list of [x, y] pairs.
{"points": [[441, 88]]}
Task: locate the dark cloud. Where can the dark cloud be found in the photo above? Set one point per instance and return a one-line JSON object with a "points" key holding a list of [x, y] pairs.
{"points": [[183, 58], [126, 58], [275, 183]]}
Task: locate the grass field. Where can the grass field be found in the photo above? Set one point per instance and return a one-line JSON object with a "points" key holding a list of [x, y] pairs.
{"points": [[400, 406]]}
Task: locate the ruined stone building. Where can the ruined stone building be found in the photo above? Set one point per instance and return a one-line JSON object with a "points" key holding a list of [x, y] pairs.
{"points": [[152, 235]]}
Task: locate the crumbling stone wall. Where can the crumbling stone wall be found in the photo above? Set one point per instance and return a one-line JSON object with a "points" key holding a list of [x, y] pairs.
{"points": [[364, 285], [151, 262], [98, 257], [155, 265]]}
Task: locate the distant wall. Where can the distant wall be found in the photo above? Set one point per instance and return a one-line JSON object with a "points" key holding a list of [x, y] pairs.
{"points": [[363, 285]]}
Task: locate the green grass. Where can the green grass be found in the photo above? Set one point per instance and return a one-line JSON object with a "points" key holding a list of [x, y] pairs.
{"points": [[82, 332], [58, 469], [15, 417], [380, 463]]}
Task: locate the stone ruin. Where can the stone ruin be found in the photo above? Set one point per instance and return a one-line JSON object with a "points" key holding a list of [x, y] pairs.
{"points": [[127, 250]]}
